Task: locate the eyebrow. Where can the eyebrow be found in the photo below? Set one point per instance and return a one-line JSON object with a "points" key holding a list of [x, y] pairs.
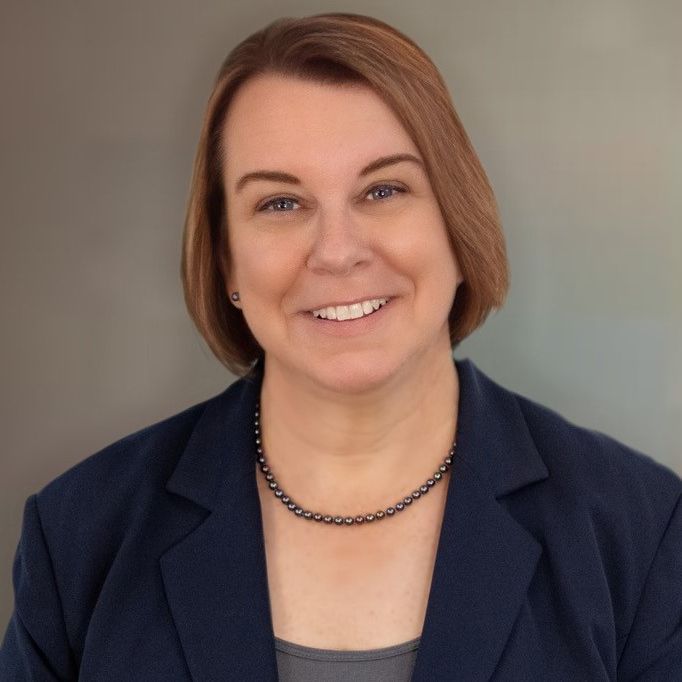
{"points": [[279, 176]]}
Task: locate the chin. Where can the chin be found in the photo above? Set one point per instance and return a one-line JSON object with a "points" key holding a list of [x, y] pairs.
{"points": [[351, 372]]}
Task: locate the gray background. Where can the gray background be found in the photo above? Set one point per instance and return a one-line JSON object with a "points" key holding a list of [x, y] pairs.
{"points": [[574, 108]]}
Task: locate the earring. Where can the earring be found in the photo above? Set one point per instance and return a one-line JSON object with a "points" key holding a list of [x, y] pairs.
{"points": [[234, 295]]}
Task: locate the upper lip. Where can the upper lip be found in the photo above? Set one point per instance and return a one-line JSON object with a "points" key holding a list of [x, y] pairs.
{"points": [[357, 300]]}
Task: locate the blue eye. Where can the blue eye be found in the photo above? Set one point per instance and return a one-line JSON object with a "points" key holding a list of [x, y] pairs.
{"points": [[383, 188], [277, 205], [277, 202]]}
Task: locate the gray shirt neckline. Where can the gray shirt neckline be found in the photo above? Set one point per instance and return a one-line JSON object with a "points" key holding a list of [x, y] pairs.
{"points": [[342, 655]]}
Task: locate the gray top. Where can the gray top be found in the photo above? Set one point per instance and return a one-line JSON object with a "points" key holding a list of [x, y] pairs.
{"points": [[298, 663]]}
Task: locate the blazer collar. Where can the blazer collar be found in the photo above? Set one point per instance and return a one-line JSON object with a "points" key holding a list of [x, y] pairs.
{"points": [[216, 577]]}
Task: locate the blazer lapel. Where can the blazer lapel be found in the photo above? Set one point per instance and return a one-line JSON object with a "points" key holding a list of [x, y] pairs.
{"points": [[485, 559], [216, 578]]}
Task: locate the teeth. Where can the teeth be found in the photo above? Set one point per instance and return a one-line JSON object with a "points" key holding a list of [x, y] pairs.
{"points": [[350, 312], [355, 310]]}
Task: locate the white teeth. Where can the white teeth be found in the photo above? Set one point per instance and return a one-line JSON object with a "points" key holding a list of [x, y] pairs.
{"points": [[355, 310], [350, 312]]}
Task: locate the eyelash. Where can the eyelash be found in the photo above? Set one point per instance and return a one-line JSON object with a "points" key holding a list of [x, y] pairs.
{"points": [[263, 208]]}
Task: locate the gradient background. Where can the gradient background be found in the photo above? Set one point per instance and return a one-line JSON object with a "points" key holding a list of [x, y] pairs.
{"points": [[575, 109]]}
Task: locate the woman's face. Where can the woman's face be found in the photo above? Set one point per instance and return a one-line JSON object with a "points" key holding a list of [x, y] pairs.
{"points": [[321, 230]]}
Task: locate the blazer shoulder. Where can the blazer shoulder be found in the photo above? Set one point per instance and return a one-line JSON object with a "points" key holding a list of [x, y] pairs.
{"points": [[607, 515], [598, 466], [123, 471]]}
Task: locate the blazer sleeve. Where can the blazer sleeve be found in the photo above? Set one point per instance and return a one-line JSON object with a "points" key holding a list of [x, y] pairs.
{"points": [[35, 646], [653, 648]]}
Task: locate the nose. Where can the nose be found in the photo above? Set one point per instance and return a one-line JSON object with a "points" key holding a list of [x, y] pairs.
{"points": [[339, 244]]}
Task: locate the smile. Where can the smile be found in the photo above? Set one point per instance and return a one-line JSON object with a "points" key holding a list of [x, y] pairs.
{"points": [[350, 312]]}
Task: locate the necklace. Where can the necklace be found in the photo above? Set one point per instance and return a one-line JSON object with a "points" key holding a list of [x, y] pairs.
{"points": [[343, 520]]}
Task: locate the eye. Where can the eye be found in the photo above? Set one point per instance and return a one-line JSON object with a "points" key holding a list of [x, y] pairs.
{"points": [[274, 205], [278, 204], [386, 188]]}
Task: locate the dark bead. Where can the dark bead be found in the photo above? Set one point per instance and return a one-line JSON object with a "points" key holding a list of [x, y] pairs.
{"points": [[340, 520]]}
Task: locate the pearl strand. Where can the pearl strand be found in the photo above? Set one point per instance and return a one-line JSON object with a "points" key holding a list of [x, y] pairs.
{"points": [[343, 520]]}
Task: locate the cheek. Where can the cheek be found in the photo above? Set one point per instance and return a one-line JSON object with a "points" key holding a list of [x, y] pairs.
{"points": [[265, 271], [441, 249], [422, 243]]}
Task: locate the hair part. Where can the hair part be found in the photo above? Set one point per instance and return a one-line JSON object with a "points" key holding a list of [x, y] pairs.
{"points": [[342, 49]]}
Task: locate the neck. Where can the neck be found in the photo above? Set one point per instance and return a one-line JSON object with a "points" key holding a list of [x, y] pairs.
{"points": [[345, 454]]}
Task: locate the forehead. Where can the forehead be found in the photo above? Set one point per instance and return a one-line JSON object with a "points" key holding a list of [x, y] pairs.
{"points": [[276, 121]]}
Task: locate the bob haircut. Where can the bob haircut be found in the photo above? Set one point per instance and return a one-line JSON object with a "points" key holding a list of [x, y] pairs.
{"points": [[336, 49]]}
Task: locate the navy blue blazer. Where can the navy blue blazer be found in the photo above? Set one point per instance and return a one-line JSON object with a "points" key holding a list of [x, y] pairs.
{"points": [[559, 557]]}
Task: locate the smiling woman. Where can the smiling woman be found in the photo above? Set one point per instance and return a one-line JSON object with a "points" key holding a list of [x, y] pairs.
{"points": [[375, 117], [340, 239], [357, 505]]}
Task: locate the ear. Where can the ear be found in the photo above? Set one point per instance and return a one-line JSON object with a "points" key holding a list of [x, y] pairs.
{"points": [[222, 261], [231, 287], [226, 271], [230, 284]]}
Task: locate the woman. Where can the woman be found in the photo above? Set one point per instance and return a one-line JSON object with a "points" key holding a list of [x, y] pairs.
{"points": [[356, 505]]}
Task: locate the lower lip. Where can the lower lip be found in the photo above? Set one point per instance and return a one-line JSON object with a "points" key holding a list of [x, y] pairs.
{"points": [[360, 325]]}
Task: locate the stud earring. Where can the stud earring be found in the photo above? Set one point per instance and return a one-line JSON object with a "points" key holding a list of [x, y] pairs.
{"points": [[234, 295]]}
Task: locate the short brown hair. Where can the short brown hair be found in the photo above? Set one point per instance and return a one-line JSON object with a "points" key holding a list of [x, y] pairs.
{"points": [[338, 48]]}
